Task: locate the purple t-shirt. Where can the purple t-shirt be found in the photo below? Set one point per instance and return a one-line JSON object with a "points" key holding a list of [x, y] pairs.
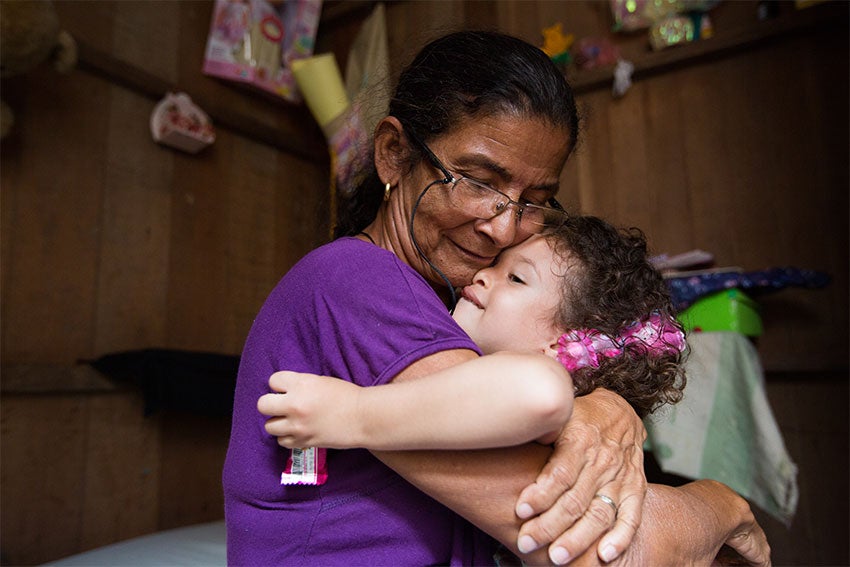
{"points": [[352, 310]]}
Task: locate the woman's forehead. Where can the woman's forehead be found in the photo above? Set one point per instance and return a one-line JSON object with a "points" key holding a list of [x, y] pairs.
{"points": [[503, 139]]}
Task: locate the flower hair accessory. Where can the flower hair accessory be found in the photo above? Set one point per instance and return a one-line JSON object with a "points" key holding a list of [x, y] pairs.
{"points": [[655, 336]]}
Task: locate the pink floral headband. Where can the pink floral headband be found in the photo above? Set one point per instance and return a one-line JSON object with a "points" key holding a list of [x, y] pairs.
{"points": [[655, 335]]}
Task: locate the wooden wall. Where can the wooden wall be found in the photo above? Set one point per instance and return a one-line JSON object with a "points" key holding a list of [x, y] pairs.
{"points": [[738, 146], [110, 242]]}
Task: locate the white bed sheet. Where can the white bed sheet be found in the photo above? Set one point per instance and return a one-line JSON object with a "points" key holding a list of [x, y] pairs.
{"points": [[199, 545]]}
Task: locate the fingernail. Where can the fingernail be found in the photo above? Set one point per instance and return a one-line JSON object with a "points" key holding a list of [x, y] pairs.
{"points": [[524, 511], [559, 555], [526, 544], [608, 553]]}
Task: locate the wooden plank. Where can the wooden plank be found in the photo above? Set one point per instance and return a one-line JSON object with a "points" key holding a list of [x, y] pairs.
{"points": [[133, 23], [595, 154], [707, 144], [810, 201], [92, 23], [197, 261], [628, 189], [193, 450], [133, 269], [50, 296], [301, 211], [668, 218], [251, 194], [121, 483], [42, 477], [53, 379], [10, 177], [812, 415], [334, 11], [410, 25]]}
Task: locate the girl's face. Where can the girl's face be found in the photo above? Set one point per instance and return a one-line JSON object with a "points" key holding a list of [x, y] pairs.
{"points": [[518, 156], [512, 304]]}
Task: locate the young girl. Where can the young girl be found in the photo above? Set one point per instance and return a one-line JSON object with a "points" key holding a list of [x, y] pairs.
{"points": [[584, 295]]}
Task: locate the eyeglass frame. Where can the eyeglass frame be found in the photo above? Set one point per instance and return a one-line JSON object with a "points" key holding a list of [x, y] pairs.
{"points": [[450, 178]]}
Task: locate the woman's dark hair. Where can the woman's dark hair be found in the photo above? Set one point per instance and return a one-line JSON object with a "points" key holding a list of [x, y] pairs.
{"points": [[610, 284], [467, 74]]}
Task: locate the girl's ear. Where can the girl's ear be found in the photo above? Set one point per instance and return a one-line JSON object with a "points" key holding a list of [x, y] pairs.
{"points": [[552, 350], [391, 150]]}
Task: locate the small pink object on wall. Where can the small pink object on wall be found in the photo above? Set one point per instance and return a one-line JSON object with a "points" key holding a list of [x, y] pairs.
{"points": [[178, 122]]}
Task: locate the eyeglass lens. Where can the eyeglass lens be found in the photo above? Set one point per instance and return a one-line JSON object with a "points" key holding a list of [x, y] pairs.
{"points": [[487, 203]]}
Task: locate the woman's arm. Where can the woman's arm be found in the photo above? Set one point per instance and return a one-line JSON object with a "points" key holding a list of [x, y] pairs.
{"points": [[499, 400]]}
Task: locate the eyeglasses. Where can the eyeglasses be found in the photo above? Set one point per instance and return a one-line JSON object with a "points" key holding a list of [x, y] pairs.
{"points": [[486, 203]]}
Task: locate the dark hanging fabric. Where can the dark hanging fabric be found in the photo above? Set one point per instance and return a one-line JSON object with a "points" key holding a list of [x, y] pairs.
{"points": [[687, 289], [195, 382]]}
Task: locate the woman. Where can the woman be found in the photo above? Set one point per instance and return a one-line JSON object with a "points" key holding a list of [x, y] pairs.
{"points": [[466, 164]]}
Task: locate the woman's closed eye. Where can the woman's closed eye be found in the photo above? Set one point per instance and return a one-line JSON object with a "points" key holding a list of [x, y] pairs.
{"points": [[533, 202]]}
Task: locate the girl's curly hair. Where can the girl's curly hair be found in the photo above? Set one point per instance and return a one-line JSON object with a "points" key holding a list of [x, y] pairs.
{"points": [[610, 284]]}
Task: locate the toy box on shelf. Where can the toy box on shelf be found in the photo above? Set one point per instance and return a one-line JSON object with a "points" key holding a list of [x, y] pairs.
{"points": [[727, 310], [254, 41]]}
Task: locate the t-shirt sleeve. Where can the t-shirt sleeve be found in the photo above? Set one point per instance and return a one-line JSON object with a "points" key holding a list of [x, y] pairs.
{"points": [[361, 314]]}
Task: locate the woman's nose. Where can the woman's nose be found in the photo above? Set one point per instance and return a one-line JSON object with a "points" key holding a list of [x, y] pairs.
{"points": [[502, 229]]}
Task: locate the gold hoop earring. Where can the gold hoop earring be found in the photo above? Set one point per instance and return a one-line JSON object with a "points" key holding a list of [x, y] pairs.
{"points": [[387, 189]]}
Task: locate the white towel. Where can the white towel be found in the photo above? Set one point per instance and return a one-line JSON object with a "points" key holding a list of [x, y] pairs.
{"points": [[724, 428]]}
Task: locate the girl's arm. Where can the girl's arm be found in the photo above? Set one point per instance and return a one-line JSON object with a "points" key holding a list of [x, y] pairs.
{"points": [[499, 400], [484, 485]]}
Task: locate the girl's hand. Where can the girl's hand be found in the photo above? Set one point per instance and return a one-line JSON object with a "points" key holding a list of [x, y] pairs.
{"points": [[599, 452], [311, 411]]}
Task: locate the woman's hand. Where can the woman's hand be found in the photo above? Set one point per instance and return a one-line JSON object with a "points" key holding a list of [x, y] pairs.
{"points": [[712, 514], [599, 452], [746, 536], [311, 411]]}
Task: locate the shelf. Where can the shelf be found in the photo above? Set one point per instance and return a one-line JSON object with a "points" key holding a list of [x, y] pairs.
{"points": [[151, 86], [807, 20], [54, 379]]}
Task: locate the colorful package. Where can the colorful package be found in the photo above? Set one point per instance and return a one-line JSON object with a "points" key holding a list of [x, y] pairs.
{"points": [[307, 466], [254, 41]]}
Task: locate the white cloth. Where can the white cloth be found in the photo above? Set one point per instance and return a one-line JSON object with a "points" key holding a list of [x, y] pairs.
{"points": [[202, 545], [724, 428]]}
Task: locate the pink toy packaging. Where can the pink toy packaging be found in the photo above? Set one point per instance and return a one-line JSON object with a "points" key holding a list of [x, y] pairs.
{"points": [[253, 41]]}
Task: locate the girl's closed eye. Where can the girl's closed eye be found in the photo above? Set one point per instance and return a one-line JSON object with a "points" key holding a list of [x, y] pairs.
{"points": [[513, 278]]}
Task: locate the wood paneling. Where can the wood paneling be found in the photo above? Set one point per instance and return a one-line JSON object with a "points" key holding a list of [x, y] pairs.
{"points": [[135, 232], [111, 242], [743, 154], [78, 472], [43, 474], [812, 414], [53, 263]]}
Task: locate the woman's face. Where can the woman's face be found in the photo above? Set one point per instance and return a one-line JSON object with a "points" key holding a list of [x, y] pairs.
{"points": [[520, 157], [512, 305]]}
